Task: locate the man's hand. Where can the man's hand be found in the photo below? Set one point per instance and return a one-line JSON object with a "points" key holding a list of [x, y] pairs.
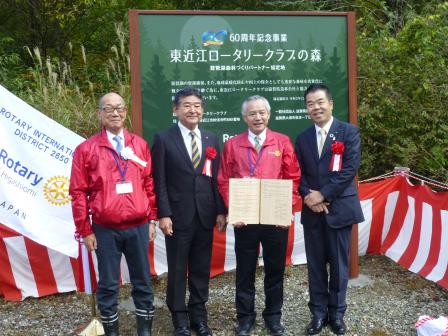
{"points": [[239, 224], [285, 227], [166, 225], [313, 198], [221, 222], [321, 207], [90, 242], [152, 231]]}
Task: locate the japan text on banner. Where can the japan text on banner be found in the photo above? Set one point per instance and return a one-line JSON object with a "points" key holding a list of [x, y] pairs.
{"points": [[35, 160]]}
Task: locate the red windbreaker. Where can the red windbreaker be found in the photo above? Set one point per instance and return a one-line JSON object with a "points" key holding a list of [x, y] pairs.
{"points": [[94, 176], [277, 161]]}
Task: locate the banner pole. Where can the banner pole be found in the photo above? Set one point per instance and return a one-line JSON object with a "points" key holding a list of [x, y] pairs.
{"points": [[94, 327]]}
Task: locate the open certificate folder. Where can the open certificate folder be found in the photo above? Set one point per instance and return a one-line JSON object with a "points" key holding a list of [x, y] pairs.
{"points": [[260, 201]]}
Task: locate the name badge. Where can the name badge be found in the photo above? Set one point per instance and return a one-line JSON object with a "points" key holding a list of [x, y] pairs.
{"points": [[124, 187]]}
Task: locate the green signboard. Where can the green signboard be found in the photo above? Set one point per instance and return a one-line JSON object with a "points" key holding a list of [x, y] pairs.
{"points": [[229, 56]]}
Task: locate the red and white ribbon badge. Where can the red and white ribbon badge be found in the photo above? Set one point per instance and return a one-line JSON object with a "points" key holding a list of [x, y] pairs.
{"points": [[210, 154], [337, 149]]}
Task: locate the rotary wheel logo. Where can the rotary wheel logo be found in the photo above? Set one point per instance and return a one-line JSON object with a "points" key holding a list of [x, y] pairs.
{"points": [[56, 190]]}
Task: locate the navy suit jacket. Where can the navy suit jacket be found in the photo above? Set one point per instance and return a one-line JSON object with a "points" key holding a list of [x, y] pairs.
{"points": [[338, 188], [181, 189]]}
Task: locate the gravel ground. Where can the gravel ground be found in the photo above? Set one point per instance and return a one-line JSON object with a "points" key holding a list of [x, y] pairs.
{"points": [[388, 303]]}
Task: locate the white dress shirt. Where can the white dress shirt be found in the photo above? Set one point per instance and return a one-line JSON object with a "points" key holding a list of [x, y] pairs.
{"points": [[262, 137], [111, 137], [326, 128], [187, 138]]}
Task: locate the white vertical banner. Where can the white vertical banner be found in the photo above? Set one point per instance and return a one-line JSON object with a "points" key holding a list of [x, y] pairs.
{"points": [[35, 161]]}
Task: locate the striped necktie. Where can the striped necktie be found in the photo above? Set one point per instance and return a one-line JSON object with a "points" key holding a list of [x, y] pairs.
{"points": [[323, 135], [257, 143], [195, 158]]}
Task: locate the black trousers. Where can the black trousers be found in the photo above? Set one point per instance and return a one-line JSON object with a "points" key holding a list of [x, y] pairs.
{"points": [[133, 243], [323, 245], [189, 251], [274, 241]]}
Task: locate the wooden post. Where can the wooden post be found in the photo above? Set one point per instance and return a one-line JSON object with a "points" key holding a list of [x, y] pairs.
{"points": [[353, 256]]}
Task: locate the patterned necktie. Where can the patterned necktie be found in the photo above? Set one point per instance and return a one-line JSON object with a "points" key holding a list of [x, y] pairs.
{"points": [[323, 135], [257, 143], [119, 146], [195, 158]]}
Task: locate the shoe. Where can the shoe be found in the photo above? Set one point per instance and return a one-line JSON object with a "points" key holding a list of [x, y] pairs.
{"points": [[144, 321], [316, 325], [275, 328], [182, 331], [338, 326], [244, 329], [201, 328]]}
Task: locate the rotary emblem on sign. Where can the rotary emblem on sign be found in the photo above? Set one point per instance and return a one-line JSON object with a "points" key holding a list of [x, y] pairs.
{"points": [[56, 190]]}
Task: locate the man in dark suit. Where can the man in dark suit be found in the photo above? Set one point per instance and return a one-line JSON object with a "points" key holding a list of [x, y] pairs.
{"points": [[329, 155], [186, 163]]}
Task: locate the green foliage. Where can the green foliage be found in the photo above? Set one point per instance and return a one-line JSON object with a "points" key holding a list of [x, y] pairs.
{"points": [[69, 94], [10, 65], [402, 93]]}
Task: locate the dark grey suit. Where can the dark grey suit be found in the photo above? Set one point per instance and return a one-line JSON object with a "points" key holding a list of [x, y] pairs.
{"points": [[192, 201]]}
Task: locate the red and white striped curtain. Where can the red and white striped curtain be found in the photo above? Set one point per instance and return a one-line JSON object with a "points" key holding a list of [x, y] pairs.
{"points": [[407, 223]]}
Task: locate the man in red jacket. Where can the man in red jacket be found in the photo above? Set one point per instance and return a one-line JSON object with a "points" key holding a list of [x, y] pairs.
{"points": [[113, 204], [259, 153]]}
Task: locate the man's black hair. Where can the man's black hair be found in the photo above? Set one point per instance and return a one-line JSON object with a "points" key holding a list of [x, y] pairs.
{"points": [[185, 92], [317, 87]]}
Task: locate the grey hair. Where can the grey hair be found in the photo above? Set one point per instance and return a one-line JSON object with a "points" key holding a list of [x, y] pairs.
{"points": [[252, 98]]}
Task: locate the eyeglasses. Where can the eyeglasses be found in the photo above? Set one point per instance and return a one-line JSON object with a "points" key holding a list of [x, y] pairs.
{"points": [[111, 109]]}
